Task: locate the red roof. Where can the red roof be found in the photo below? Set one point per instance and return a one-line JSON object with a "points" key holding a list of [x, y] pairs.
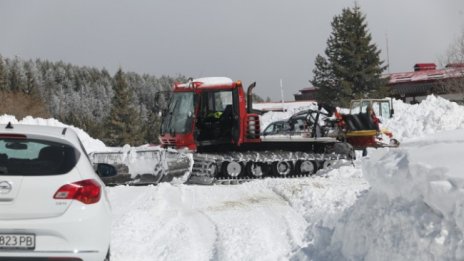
{"points": [[452, 71]]}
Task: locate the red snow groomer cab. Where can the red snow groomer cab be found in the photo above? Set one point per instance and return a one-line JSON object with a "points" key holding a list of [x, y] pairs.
{"points": [[209, 112]]}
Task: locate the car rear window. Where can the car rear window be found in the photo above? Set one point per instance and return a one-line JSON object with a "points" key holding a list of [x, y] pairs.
{"points": [[35, 157]]}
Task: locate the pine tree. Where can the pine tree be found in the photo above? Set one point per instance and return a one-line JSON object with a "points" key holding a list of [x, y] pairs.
{"points": [[3, 75], [152, 127], [324, 79], [14, 80], [30, 81], [352, 68], [123, 124]]}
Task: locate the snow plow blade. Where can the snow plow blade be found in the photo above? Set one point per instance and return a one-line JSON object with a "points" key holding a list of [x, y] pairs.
{"points": [[145, 166]]}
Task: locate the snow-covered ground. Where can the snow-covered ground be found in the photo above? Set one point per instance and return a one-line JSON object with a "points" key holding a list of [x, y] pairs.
{"points": [[396, 204]]}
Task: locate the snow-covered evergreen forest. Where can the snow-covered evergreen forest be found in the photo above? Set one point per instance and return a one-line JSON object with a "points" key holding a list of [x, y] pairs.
{"points": [[81, 95]]}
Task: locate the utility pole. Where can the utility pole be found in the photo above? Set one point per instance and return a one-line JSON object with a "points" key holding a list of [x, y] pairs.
{"points": [[388, 54], [282, 93]]}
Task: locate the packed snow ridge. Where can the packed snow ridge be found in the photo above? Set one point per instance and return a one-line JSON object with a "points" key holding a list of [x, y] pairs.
{"points": [[415, 207], [396, 204]]}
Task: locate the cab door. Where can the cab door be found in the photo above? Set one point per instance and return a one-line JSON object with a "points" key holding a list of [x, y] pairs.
{"points": [[236, 117]]}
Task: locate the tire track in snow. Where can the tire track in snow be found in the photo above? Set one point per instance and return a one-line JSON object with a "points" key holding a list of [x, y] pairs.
{"points": [[252, 223], [215, 249]]}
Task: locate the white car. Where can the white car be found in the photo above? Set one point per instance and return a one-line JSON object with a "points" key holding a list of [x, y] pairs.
{"points": [[53, 206]]}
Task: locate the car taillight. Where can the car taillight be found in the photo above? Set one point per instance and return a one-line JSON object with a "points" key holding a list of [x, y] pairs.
{"points": [[86, 191]]}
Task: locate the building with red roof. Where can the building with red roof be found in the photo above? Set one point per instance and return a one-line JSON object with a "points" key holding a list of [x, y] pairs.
{"points": [[426, 79], [415, 85]]}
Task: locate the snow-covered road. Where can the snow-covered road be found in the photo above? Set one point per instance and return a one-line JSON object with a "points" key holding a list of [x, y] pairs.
{"points": [[260, 220]]}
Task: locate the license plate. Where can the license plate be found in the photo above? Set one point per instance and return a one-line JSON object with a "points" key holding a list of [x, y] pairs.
{"points": [[17, 241]]}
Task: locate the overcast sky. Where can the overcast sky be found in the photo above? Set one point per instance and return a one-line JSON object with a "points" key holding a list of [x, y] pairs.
{"points": [[248, 40]]}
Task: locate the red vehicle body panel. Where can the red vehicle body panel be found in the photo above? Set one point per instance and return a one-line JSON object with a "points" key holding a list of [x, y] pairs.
{"points": [[179, 141], [362, 141]]}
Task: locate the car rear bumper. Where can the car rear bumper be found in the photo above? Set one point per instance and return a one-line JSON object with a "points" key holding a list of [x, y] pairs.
{"points": [[47, 256], [86, 255], [82, 232]]}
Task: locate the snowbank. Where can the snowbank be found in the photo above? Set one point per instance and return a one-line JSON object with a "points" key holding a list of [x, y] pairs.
{"points": [[414, 209], [89, 143], [434, 114]]}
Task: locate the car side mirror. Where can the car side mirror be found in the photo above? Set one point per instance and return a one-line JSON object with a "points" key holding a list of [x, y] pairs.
{"points": [[106, 170]]}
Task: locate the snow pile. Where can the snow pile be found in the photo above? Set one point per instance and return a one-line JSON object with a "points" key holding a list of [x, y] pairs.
{"points": [[432, 115], [414, 209], [89, 143]]}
